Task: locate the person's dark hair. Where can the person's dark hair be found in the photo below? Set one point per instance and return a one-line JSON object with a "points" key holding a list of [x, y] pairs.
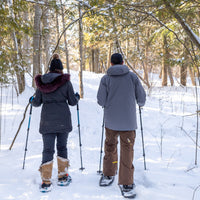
{"points": [[56, 64], [116, 58]]}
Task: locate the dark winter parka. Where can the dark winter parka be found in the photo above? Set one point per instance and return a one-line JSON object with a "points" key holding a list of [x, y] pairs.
{"points": [[55, 92]]}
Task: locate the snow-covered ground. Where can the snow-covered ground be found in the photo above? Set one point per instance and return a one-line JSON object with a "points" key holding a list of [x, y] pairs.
{"points": [[169, 134]]}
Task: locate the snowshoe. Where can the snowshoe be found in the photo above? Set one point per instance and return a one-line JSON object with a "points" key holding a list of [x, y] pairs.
{"points": [[106, 180], [65, 180], [45, 187], [128, 191]]}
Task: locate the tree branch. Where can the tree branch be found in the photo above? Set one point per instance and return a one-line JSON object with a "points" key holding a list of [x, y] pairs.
{"points": [[176, 35], [195, 191], [184, 25], [20, 125], [125, 58]]}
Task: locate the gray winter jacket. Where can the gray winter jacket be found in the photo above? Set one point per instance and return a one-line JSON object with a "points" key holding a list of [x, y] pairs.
{"points": [[55, 92], [118, 93]]}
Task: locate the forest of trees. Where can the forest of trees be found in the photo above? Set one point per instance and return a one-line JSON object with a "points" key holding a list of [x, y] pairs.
{"points": [[159, 36]]}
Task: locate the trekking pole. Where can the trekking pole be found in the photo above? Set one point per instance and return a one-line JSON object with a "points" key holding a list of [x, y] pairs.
{"points": [[142, 138], [82, 168], [29, 122], [101, 151]]}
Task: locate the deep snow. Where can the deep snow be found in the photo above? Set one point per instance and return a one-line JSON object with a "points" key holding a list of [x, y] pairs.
{"points": [[169, 131]]}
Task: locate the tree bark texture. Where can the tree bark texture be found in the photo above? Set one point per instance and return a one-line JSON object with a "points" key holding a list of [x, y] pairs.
{"points": [[95, 60], [109, 56], [18, 57], [46, 36], [192, 75], [20, 70], [146, 60], [57, 32], [169, 69], [26, 44], [65, 39], [80, 51], [164, 61], [183, 68], [37, 42]]}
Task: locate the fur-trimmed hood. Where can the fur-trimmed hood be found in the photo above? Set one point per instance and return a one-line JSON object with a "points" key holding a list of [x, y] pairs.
{"points": [[51, 81]]}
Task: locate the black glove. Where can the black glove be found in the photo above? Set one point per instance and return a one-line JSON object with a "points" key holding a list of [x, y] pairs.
{"points": [[77, 96], [31, 99]]}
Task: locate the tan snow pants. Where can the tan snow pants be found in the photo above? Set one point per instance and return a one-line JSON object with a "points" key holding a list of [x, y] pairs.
{"points": [[110, 162]]}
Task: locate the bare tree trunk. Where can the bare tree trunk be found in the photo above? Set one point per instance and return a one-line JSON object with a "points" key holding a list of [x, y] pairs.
{"points": [[145, 64], [115, 45], [84, 58], [46, 36], [146, 52], [20, 70], [127, 45], [183, 73], [160, 74], [192, 75], [92, 58], [26, 45], [90, 61], [164, 62], [170, 75], [18, 57], [95, 60], [137, 43], [65, 39], [36, 42], [184, 66], [57, 31], [109, 55], [80, 50]]}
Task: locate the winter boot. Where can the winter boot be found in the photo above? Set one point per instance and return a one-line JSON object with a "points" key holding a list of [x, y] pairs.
{"points": [[64, 179], [46, 172], [106, 180], [128, 191]]}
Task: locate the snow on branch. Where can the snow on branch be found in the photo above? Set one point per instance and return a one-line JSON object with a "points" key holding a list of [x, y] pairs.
{"points": [[184, 25]]}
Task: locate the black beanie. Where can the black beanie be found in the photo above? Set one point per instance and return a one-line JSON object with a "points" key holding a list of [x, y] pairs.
{"points": [[56, 63], [116, 59]]}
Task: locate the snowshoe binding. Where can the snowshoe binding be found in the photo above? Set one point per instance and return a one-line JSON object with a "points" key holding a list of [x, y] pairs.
{"points": [[128, 191], [45, 187], [106, 180], [65, 180]]}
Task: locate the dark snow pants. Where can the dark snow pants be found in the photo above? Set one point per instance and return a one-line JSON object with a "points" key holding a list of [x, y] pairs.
{"points": [[49, 146], [110, 162]]}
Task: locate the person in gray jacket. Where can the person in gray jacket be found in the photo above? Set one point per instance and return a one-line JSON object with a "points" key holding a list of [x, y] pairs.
{"points": [[54, 92], [119, 91]]}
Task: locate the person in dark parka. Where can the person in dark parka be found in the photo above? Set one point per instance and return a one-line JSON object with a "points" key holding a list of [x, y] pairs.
{"points": [[119, 91], [54, 92]]}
